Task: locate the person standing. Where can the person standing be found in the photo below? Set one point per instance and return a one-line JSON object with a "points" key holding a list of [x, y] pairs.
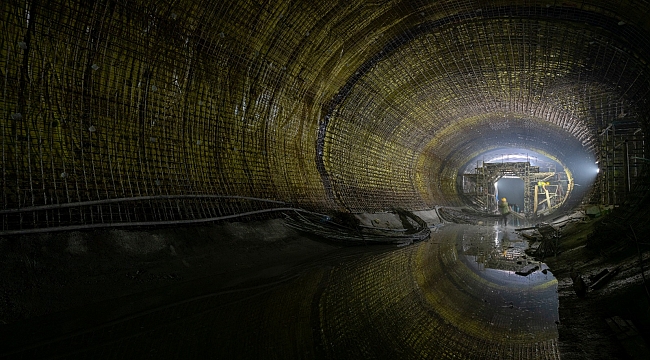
{"points": [[504, 210]]}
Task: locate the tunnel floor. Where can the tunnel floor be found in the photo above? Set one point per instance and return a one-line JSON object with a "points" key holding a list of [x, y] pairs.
{"points": [[453, 296], [434, 300]]}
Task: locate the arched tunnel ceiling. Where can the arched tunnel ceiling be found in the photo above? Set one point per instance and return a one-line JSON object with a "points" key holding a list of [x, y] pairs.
{"points": [[349, 105], [519, 76]]}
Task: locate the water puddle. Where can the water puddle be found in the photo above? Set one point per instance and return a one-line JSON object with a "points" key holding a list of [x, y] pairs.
{"points": [[499, 255], [498, 290]]}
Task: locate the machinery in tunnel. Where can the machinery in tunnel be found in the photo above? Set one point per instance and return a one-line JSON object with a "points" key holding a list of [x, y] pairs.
{"points": [[155, 115], [545, 185]]}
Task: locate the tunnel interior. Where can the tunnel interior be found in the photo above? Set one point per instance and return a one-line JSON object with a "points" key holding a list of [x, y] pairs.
{"points": [[144, 112], [163, 113]]}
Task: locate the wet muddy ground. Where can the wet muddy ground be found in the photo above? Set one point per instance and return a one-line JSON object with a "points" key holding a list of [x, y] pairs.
{"points": [[583, 329]]}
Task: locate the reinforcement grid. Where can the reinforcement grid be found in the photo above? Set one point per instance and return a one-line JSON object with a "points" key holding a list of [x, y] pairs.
{"points": [[119, 112]]}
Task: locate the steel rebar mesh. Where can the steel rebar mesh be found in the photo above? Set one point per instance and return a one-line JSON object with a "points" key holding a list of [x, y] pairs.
{"points": [[358, 106]]}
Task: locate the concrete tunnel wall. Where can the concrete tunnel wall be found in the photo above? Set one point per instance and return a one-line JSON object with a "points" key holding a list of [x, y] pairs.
{"points": [[151, 112]]}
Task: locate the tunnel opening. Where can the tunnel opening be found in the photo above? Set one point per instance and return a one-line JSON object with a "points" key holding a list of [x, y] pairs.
{"points": [[538, 184], [511, 188]]}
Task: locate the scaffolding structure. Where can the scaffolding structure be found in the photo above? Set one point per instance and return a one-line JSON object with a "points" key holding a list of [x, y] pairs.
{"points": [[547, 189], [621, 160]]}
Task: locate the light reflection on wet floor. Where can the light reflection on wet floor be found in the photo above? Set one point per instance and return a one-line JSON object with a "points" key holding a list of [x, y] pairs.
{"points": [[522, 307]]}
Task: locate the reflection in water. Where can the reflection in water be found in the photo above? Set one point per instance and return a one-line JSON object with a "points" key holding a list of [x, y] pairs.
{"points": [[453, 296], [483, 264]]}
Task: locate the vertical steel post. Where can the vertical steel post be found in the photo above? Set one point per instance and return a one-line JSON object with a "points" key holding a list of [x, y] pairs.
{"points": [[627, 165]]}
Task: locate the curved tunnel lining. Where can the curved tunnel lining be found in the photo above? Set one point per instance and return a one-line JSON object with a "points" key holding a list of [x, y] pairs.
{"points": [[554, 13]]}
